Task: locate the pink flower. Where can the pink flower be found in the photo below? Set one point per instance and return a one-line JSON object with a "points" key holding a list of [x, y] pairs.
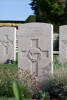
{"points": [[23, 95], [38, 89], [31, 92]]}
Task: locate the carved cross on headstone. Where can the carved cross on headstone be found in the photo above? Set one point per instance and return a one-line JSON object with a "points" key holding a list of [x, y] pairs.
{"points": [[6, 42], [35, 54]]}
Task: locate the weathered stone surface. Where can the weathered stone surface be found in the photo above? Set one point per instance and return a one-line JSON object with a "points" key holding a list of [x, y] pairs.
{"points": [[35, 53], [63, 44], [7, 44]]}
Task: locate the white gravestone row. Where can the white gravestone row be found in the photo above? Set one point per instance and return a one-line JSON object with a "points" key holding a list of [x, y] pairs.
{"points": [[7, 44], [35, 42], [63, 44], [35, 52]]}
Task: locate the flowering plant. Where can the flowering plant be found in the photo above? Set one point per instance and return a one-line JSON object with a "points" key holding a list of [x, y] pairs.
{"points": [[6, 78], [28, 80]]}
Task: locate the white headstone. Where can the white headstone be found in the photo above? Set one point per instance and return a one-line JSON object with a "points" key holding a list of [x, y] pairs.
{"points": [[63, 44], [7, 44], [36, 49]]}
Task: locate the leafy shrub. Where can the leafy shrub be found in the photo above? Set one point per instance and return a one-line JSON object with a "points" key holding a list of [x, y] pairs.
{"points": [[28, 80], [57, 85], [56, 64], [6, 79], [27, 84], [40, 95], [20, 92]]}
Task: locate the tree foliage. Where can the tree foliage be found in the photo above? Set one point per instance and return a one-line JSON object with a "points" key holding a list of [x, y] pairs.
{"points": [[65, 13], [50, 11]]}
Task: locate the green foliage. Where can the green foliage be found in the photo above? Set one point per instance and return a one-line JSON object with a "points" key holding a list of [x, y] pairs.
{"points": [[6, 78], [45, 96], [6, 98], [17, 91], [51, 8], [16, 58], [12, 67], [50, 11], [25, 91], [56, 65], [8, 73], [57, 85], [65, 13], [40, 95], [28, 80], [20, 91], [31, 18]]}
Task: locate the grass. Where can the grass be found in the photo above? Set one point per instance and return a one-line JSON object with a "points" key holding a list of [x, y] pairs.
{"points": [[5, 98], [56, 64], [10, 66]]}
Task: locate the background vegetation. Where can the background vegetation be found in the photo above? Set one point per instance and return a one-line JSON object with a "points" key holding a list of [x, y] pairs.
{"points": [[50, 11]]}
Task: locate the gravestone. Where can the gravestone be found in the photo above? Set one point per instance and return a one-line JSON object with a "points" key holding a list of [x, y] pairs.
{"points": [[63, 44], [7, 44], [35, 52]]}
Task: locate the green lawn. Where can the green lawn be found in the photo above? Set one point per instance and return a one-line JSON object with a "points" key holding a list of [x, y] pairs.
{"points": [[10, 66]]}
